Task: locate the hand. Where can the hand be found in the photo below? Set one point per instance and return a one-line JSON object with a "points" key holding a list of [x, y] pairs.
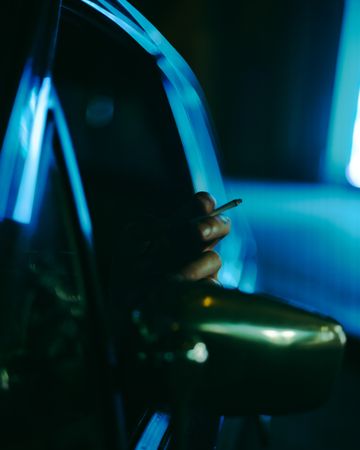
{"points": [[200, 237], [152, 251], [179, 247]]}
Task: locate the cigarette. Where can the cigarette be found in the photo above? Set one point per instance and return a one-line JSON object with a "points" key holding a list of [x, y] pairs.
{"points": [[223, 208], [220, 210]]}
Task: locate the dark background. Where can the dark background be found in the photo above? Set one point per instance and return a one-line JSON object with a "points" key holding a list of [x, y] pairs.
{"points": [[267, 69]]}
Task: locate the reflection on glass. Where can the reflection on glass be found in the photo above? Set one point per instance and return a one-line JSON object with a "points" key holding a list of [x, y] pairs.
{"points": [[198, 353], [353, 168], [207, 302], [277, 336], [25, 199]]}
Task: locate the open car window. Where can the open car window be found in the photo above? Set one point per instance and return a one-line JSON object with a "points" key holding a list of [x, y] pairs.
{"points": [[126, 140]]}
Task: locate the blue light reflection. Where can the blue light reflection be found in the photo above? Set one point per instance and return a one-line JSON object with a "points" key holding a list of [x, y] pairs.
{"points": [[308, 244], [154, 432], [72, 168], [340, 147], [17, 135], [25, 199], [23, 147], [353, 169]]}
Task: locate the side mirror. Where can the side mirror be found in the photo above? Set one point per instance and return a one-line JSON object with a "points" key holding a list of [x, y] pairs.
{"points": [[235, 353]]}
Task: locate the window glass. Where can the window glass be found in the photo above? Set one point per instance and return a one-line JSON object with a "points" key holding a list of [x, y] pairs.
{"points": [[128, 147], [49, 395]]}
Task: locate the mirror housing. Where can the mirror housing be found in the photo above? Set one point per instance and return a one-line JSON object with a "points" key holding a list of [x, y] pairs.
{"points": [[235, 353]]}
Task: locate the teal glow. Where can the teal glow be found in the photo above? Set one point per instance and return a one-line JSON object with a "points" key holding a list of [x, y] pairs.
{"points": [[340, 147], [199, 353], [21, 151], [308, 244], [353, 168], [154, 432], [25, 199], [72, 168], [16, 140], [188, 138]]}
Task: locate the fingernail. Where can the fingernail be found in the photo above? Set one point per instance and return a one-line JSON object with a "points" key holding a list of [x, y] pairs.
{"points": [[205, 230], [224, 219]]}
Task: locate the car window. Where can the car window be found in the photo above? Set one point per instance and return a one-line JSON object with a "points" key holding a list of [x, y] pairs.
{"points": [[127, 143]]}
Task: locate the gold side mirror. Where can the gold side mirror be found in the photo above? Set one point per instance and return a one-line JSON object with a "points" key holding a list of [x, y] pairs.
{"points": [[235, 353]]}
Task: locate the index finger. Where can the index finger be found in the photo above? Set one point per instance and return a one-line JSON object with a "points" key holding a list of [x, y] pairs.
{"points": [[201, 204]]}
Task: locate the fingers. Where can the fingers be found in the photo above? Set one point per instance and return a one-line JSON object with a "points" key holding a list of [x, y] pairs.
{"points": [[188, 240], [205, 202], [213, 228], [200, 232], [180, 242], [206, 266], [181, 245], [201, 204]]}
